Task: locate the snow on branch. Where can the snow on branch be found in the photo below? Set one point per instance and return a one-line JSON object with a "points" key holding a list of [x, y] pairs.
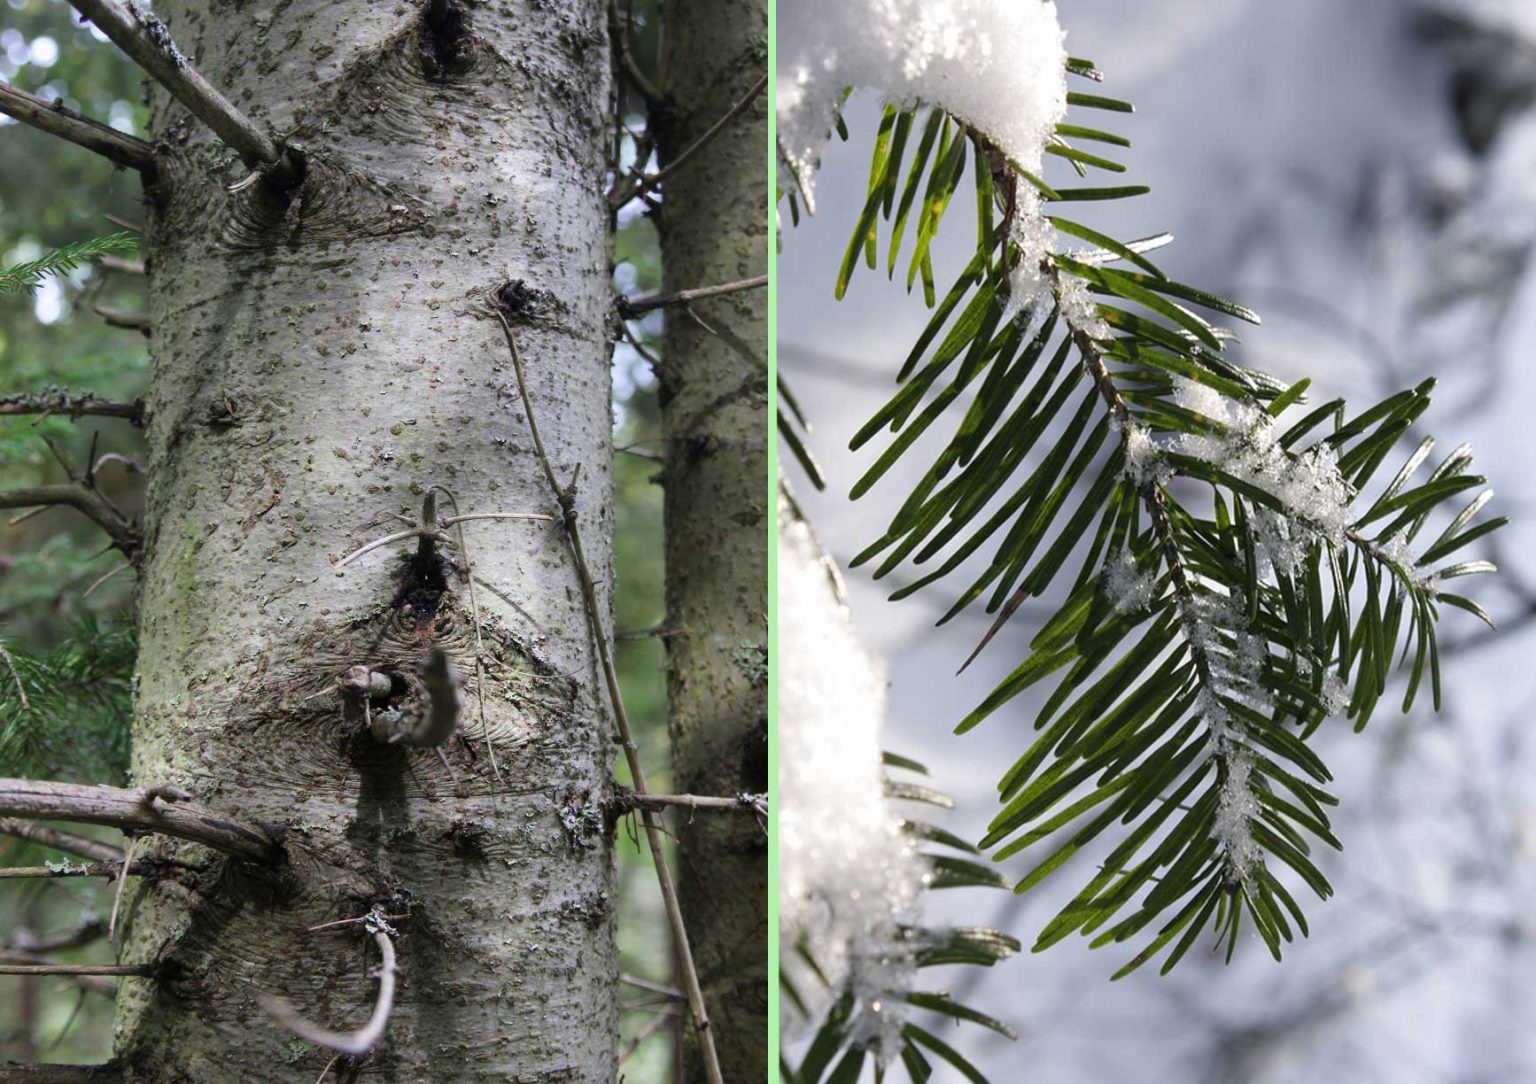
{"points": [[997, 65], [849, 877]]}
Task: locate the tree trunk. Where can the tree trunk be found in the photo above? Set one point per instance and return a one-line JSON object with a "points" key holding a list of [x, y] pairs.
{"points": [[714, 398], [320, 360]]}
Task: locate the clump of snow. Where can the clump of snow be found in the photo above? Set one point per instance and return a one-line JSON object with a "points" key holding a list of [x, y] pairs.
{"points": [[997, 65], [1029, 280], [849, 877], [1310, 486], [1128, 587], [1405, 562], [1235, 809], [1144, 460], [1079, 309], [1217, 629]]}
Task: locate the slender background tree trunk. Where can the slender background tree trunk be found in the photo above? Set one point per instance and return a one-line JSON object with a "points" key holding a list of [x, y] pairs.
{"points": [[714, 397], [319, 362]]}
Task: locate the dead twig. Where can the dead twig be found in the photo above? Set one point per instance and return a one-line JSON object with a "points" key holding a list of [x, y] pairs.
{"points": [[627, 802], [353, 1044], [135, 810], [122, 882], [68, 842], [565, 497], [134, 970], [67, 404], [655, 1024], [458, 522], [128, 321]]}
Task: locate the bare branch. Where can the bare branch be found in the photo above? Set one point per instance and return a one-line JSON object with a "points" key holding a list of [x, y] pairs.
{"points": [[139, 970], [53, 118], [473, 516], [88, 931], [59, 1074], [625, 33], [654, 1025], [565, 497], [86, 499], [148, 43], [633, 307], [652, 987], [122, 883], [91, 869], [371, 917], [354, 1044], [134, 810], [67, 842], [398, 536], [628, 801], [63, 403], [636, 185]]}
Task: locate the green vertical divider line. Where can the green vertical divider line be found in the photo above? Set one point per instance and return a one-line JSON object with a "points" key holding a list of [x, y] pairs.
{"points": [[770, 1069]]}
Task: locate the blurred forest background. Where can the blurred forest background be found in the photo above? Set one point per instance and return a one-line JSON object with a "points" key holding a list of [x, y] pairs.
{"points": [[66, 618], [1363, 174]]}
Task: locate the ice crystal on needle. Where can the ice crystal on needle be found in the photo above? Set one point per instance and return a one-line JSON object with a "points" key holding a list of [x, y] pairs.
{"points": [[1128, 587], [849, 877], [997, 65], [1314, 493]]}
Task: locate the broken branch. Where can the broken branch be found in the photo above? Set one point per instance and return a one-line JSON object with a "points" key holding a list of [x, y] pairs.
{"points": [[82, 131], [123, 318], [148, 44], [134, 810]]}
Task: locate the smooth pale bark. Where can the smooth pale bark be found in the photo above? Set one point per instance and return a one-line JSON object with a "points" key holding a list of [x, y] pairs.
{"points": [[714, 391], [320, 360]]}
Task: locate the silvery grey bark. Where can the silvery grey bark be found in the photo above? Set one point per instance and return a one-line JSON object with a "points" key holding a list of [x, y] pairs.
{"points": [[322, 358], [714, 389]]}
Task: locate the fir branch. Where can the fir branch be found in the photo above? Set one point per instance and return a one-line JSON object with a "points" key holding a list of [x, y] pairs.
{"points": [[1199, 647], [25, 277]]}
